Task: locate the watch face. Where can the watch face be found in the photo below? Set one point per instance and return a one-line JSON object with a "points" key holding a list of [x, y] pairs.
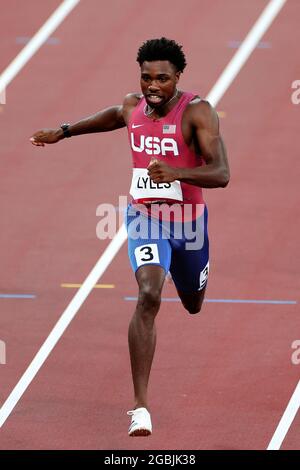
{"points": [[65, 128]]}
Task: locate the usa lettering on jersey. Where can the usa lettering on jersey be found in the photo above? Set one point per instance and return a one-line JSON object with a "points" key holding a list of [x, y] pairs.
{"points": [[154, 145]]}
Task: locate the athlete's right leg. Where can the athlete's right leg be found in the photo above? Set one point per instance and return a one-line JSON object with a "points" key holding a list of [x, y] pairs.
{"points": [[150, 258], [142, 331]]}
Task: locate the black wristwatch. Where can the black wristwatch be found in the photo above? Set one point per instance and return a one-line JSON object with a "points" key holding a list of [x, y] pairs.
{"points": [[65, 129]]}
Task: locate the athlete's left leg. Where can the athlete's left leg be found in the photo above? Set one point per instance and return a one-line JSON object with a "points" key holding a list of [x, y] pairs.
{"points": [[192, 302], [190, 264]]}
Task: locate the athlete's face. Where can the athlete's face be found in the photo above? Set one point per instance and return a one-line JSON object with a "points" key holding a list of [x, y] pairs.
{"points": [[158, 82]]}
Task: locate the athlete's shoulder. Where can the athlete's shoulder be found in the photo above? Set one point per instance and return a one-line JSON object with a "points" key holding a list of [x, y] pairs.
{"points": [[200, 111], [132, 99], [198, 104]]}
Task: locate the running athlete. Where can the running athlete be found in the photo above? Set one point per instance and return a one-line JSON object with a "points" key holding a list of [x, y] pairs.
{"points": [[177, 150]]}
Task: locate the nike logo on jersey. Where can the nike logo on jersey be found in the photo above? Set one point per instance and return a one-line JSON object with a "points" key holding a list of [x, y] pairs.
{"points": [[134, 126]]}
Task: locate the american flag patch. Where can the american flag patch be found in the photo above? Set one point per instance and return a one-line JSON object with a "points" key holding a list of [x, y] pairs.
{"points": [[169, 129]]}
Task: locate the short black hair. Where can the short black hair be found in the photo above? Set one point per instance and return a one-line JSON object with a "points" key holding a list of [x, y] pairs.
{"points": [[162, 49]]}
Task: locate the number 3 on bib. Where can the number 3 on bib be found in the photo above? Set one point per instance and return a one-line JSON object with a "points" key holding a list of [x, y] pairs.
{"points": [[146, 254]]}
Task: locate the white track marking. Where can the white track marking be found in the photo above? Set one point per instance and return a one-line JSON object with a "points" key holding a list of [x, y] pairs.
{"points": [[245, 50], [214, 96], [286, 420], [63, 323], [36, 42]]}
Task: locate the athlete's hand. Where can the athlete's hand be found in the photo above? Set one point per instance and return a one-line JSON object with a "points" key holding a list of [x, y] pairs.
{"points": [[46, 136], [160, 172]]}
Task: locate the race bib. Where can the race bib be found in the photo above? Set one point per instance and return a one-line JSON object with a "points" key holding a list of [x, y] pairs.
{"points": [[143, 188]]}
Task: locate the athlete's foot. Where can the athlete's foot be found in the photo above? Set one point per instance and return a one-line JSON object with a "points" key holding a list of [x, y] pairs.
{"points": [[140, 422]]}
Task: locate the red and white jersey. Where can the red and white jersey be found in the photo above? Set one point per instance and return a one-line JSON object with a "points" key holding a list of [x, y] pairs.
{"points": [[162, 139]]}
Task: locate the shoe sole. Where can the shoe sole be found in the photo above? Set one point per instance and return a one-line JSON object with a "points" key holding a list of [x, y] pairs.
{"points": [[140, 433]]}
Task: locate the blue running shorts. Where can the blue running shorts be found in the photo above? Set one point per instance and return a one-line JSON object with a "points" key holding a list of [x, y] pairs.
{"points": [[179, 247]]}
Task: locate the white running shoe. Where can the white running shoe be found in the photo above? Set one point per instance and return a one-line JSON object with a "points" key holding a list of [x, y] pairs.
{"points": [[140, 422]]}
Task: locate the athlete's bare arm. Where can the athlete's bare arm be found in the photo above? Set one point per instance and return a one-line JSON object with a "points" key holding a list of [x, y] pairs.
{"points": [[201, 123], [108, 119]]}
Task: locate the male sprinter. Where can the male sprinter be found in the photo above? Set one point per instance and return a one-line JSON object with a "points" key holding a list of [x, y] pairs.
{"points": [[177, 150]]}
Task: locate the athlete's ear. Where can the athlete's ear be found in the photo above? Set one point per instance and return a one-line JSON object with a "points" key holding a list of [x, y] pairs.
{"points": [[177, 75]]}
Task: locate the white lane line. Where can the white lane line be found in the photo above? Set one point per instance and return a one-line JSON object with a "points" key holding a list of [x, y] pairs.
{"points": [[36, 42], [63, 323], [286, 420], [92, 279], [245, 50]]}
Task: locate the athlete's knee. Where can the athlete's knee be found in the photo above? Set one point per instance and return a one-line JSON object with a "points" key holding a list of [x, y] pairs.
{"points": [[192, 302], [193, 308], [149, 299]]}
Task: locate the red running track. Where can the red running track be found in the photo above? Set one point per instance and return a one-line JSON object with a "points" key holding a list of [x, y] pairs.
{"points": [[220, 380]]}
